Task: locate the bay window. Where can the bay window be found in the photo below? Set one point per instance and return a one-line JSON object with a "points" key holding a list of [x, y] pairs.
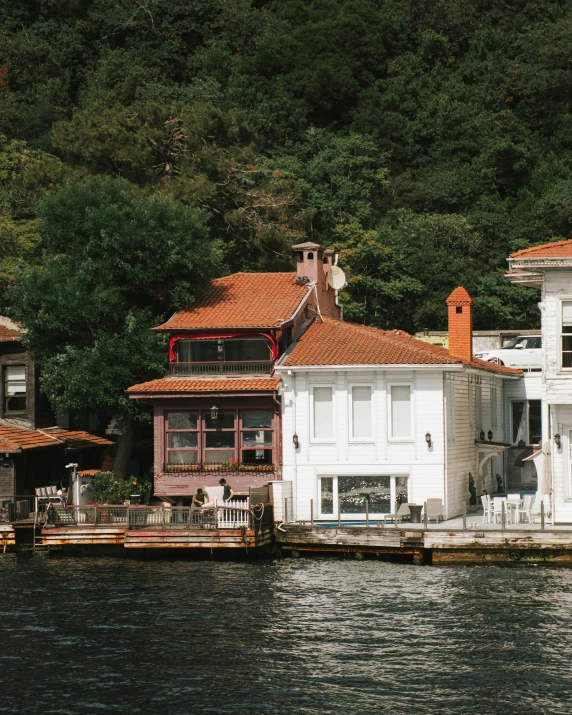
{"points": [[229, 439]]}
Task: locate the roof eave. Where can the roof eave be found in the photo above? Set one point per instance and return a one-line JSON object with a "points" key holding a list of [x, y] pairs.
{"points": [[200, 393], [373, 366], [534, 264]]}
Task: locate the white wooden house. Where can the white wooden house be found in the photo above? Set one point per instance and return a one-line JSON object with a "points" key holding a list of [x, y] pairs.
{"points": [[549, 268], [378, 415]]}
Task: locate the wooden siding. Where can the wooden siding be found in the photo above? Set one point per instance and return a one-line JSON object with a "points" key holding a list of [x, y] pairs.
{"points": [[463, 390]]}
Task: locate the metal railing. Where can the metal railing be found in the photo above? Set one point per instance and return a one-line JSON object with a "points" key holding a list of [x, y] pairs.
{"points": [[232, 515], [222, 367]]}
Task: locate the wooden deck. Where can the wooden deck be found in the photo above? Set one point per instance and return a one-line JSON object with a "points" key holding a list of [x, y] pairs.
{"points": [[437, 545]]}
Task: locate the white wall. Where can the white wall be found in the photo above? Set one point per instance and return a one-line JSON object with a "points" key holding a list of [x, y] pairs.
{"points": [[378, 456]]}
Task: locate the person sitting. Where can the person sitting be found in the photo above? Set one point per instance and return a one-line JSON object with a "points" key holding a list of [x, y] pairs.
{"points": [[200, 498], [228, 492]]}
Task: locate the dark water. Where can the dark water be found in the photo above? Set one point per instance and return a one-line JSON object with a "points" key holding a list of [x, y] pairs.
{"points": [[306, 636]]}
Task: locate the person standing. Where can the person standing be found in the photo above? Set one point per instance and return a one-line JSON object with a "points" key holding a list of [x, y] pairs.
{"points": [[228, 493]]}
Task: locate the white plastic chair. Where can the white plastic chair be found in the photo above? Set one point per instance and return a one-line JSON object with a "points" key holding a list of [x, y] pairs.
{"points": [[526, 507], [497, 509], [514, 503], [486, 502]]}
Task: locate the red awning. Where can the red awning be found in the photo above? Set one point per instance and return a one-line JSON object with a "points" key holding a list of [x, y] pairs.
{"points": [[216, 336]]}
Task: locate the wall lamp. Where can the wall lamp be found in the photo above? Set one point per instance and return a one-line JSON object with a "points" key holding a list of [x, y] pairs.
{"points": [[558, 440], [428, 439], [214, 413], [490, 435], [482, 435], [295, 440]]}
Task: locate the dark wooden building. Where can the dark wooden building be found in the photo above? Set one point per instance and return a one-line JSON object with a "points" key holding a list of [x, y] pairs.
{"points": [[33, 448]]}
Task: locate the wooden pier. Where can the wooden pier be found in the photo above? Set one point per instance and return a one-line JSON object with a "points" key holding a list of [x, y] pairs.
{"points": [[431, 546]]}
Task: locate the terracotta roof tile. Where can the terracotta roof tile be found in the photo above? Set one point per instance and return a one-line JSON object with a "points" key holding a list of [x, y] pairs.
{"points": [[9, 331], [13, 439], [334, 342], [242, 300], [78, 438], [556, 249], [459, 297], [238, 384]]}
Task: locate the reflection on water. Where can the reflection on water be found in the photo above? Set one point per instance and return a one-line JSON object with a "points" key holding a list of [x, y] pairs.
{"points": [[306, 636]]}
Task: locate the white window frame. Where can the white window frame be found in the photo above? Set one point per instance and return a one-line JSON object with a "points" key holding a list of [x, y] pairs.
{"points": [[358, 516], [390, 437], [351, 437], [561, 300], [450, 400], [313, 438], [494, 406]]}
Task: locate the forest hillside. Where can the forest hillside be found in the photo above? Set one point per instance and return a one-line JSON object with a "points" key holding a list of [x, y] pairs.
{"points": [[424, 139]]}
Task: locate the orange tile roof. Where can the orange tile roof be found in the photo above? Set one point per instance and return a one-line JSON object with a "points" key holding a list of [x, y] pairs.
{"points": [[14, 439], [459, 297], [334, 342], [78, 438], [242, 300], [238, 384], [9, 331], [556, 249]]}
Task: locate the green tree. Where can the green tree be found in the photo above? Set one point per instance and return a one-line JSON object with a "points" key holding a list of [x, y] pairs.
{"points": [[112, 264]]}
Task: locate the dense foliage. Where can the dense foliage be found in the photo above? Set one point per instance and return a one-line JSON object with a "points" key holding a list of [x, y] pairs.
{"points": [[425, 139]]}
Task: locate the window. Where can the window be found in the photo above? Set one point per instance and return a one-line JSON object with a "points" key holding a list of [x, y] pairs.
{"points": [[450, 397], [14, 388], [526, 422], [494, 407], [383, 494], [323, 422], [400, 411], [567, 334], [224, 350], [195, 438], [219, 437], [327, 495], [257, 437], [361, 412], [479, 406], [182, 438]]}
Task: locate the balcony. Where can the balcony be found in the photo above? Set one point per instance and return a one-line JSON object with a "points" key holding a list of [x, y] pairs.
{"points": [[222, 367], [222, 469]]}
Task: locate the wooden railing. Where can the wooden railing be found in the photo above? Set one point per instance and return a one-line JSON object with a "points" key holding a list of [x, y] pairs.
{"points": [[222, 367]]}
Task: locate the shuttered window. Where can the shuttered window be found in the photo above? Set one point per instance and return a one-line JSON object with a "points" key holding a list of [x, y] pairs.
{"points": [[361, 412], [323, 418], [401, 411]]}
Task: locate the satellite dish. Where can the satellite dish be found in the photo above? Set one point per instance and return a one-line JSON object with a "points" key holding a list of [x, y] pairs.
{"points": [[336, 278]]}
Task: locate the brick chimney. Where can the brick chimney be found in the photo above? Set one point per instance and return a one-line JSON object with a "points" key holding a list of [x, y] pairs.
{"points": [[460, 306], [312, 263]]}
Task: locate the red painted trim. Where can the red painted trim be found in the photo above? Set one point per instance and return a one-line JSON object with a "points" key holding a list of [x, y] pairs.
{"points": [[213, 336]]}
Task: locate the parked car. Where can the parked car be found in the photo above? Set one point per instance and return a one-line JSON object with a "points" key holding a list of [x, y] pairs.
{"points": [[524, 352]]}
